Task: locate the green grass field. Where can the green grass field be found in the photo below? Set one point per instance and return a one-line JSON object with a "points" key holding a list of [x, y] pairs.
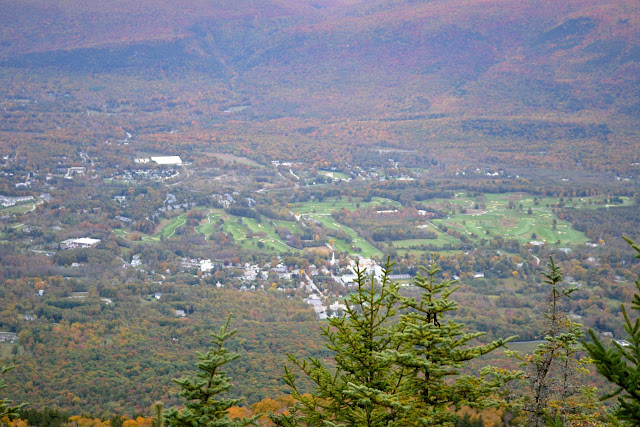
{"points": [[176, 222], [116, 181], [498, 219], [365, 248], [248, 226], [19, 209], [321, 212], [583, 203], [167, 230], [271, 240], [333, 174], [247, 235], [511, 216], [264, 231], [440, 240], [232, 227], [248, 232], [209, 224], [5, 350]]}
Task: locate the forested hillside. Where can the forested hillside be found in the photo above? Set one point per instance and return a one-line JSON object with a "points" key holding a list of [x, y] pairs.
{"points": [[470, 78]]}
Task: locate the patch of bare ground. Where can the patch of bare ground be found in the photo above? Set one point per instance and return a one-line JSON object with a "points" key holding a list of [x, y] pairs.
{"points": [[507, 223], [516, 196], [230, 158], [319, 251]]}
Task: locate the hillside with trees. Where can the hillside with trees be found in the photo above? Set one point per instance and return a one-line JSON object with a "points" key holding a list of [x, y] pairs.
{"points": [[322, 82]]}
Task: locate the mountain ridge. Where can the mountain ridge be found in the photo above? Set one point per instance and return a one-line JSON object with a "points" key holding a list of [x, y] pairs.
{"points": [[565, 73]]}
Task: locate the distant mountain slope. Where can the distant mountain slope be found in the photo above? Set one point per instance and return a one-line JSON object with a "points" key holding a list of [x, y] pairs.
{"points": [[540, 51], [39, 26], [517, 75]]}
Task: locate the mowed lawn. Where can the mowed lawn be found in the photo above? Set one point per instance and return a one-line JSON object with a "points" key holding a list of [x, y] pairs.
{"points": [[439, 242], [266, 233], [251, 234], [208, 225], [365, 248], [5, 350], [261, 234], [19, 209], [247, 232], [517, 216], [168, 228], [498, 219]]}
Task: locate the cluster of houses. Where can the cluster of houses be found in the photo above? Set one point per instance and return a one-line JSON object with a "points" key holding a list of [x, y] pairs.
{"points": [[8, 337], [225, 199], [124, 219], [161, 174], [317, 302], [323, 308], [75, 170], [250, 272], [7, 201], [172, 204], [153, 174], [204, 265]]}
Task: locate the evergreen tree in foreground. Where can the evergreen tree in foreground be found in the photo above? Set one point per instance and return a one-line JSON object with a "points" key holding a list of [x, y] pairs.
{"points": [[203, 407], [397, 361], [7, 412], [555, 373], [619, 363], [433, 352], [363, 388]]}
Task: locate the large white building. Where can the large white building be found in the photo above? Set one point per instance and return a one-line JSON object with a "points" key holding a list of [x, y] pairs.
{"points": [[83, 242], [167, 160], [161, 160]]}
